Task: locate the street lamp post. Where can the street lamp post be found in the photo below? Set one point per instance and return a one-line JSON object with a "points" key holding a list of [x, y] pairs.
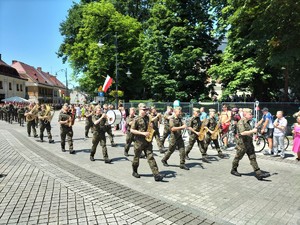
{"points": [[128, 73], [66, 75]]}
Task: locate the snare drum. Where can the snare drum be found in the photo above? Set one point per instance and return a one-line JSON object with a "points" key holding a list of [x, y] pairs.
{"points": [[113, 117]]}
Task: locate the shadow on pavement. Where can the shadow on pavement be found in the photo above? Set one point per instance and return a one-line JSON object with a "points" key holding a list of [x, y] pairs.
{"points": [[3, 175], [190, 165], [120, 159], [252, 174], [212, 158], [84, 150]]}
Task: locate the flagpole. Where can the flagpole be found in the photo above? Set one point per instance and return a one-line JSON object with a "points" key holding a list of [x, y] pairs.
{"points": [[117, 94]]}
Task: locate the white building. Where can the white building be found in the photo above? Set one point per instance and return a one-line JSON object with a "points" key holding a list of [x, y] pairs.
{"points": [[77, 97], [11, 84]]}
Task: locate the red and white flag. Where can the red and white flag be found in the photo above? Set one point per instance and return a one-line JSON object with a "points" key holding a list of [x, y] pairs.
{"points": [[107, 83]]}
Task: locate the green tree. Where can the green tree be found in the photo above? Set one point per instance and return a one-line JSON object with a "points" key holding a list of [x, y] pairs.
{"points": [[84, 26], [178, 46], [263, 49]]}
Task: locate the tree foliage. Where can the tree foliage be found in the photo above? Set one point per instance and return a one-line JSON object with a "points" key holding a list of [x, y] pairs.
{"points": [[171, 47], [86, 24], [178, 45], [263, 47]]}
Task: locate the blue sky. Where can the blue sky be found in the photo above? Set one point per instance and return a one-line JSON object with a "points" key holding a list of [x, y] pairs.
{"points": [[29, 32]]}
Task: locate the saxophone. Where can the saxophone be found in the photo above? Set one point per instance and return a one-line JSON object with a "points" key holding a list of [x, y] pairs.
{"points": [[33, 113], [216, 131], [203, 131], [150, 130], [71, 119]]}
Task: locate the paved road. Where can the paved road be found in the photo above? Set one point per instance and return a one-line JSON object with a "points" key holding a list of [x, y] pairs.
{"points": [[46, 186]]}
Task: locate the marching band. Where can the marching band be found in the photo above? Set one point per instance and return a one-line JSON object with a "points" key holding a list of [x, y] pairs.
{"points": [[140, 129]]}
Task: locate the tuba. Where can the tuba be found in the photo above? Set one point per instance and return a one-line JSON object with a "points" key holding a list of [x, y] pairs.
{"points": [[203, 131], [47, 117], [33, 113], [150, 130]]}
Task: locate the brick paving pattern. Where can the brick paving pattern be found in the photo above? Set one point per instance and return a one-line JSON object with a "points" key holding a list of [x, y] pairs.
{"points": [[52, 191], [45, 186]]}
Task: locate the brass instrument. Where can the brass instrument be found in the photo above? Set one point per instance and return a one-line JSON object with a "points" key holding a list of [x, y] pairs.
{"points": [[33, 113], [203, 131], [70, 121], [216, 131], [48, 118], [150, 130]]}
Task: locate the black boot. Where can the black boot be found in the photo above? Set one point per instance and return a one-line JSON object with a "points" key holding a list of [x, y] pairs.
{"points": [[221, 155], [113, 144], [164, 162], [92, 158], [126, 153], [162, 151], [205, 159], [187, 156], [107, 160], [235, 173], [158, 177], [184, 167], [135, 173], [261, 175]]}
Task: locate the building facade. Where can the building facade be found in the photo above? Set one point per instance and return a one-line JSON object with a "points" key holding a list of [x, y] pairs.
{"points": [[11, 83], [41, 87]]}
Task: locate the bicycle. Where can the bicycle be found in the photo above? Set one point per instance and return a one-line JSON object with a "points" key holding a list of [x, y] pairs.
{"points": [[260, 142], [230, 137]]}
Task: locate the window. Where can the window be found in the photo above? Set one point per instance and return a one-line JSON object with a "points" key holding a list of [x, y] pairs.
{"points": [[9, 86], [17, 87], [1, 84], [21, 87]]}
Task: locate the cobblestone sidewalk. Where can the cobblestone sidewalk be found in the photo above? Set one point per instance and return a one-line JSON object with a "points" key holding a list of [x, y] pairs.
{"points": [[40, 188], [205, 193]]}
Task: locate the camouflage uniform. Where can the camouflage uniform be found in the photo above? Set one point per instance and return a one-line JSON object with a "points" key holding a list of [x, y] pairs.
{"points": [[15, 113], [99, 136], [30, 124], [88, 123], [140, 145], [244, 145], [156, 131], [110, 134], [176, 140], [1, 112], [66, 131], [21, 112], [129, 135], [167, 130], [211, 123], [45, 124], [195, 123], [4, 112], [10, 113]]}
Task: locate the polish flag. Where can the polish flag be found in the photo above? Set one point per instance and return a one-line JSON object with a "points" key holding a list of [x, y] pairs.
{"points": [[107, 83]]}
